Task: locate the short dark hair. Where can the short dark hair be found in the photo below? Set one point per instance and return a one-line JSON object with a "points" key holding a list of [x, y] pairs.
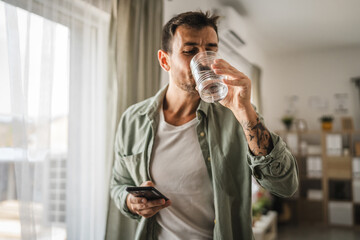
{"points": [[197, 20]]}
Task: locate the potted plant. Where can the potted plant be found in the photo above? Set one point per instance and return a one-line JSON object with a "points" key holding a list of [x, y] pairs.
{"points": [[261, 205], [326, 121], [287, 121]]}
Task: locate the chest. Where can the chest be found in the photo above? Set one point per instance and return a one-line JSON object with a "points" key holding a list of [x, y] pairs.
{"points": [[177, 163]]}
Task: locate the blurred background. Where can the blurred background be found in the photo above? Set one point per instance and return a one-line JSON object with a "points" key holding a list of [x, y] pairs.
{"points": [[68, 69]]}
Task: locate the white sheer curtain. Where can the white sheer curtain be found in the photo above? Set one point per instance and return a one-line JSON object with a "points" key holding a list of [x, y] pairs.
{"points": [[53, 165]]}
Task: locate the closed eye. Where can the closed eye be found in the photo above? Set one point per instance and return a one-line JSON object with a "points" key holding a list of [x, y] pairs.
{"points": [[191, 52]]}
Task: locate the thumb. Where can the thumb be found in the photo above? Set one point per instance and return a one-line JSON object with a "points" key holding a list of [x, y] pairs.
{"points": [[147, 184]]}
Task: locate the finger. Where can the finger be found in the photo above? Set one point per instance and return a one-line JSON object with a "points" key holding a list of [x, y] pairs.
{"points": [[235, 82], [167, 203], [149, 212], [148, 184], [230, 73], [137, 200], [150, 204], [155, 203], [139, 207], [221, 62], [143, 209], [220, 66]]}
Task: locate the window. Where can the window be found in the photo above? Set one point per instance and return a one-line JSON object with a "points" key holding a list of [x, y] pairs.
{"points": [[44, 76], [54, 113]]}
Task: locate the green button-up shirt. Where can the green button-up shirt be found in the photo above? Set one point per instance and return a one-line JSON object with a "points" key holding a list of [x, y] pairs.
{"points": [[229, 162]]}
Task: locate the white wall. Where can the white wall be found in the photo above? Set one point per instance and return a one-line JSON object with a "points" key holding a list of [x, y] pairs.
{"points": [[173, 7], [321, 74]]}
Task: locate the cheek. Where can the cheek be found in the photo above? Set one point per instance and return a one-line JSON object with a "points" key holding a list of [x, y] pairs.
{"points": [[186, 67], [182, 67]]}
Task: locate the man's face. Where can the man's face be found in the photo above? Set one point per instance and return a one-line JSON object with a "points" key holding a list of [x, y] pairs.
{"points": [[186, 43]]}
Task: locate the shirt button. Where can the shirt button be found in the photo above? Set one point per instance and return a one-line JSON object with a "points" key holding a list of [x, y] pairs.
{"points": [[209, 158], [214, 221], [202, 134]]}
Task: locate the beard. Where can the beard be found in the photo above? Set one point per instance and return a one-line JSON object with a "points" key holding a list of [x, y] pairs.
{"points": [[188, 86]]}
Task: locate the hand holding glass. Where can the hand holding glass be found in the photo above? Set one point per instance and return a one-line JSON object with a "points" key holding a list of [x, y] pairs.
{"points": [[210, 85]]}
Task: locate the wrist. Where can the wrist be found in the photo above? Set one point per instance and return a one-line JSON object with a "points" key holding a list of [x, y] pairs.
{"points": [[245, 113]]}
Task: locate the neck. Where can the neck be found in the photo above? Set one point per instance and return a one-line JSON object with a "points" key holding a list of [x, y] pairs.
{"points": [[179, 106]]}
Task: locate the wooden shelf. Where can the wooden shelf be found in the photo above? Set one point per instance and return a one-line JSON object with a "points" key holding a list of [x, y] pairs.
{"points": [[311, 211], [316, 201], [338, 158], [335, 169], [305, 178]]}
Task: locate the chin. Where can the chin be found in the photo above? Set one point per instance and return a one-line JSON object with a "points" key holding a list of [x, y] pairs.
{"points": [[187, 87], [191, 86]]}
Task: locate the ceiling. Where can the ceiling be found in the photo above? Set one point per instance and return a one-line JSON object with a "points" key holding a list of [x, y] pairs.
{"points": [[300, 25]]}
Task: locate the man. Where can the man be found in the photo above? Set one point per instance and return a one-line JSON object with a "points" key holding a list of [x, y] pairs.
{"points": [[200, 155]]}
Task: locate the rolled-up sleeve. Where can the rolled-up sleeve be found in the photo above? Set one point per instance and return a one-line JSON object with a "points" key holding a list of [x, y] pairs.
{"points": [[277, 171], [119, 182], [120, 179]]}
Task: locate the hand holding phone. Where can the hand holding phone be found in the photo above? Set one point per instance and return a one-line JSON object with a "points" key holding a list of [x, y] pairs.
{"points": [[150, 193], [146, 200]]}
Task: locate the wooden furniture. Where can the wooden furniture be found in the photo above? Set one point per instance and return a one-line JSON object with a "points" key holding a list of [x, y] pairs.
{"points": [[329, 177]]}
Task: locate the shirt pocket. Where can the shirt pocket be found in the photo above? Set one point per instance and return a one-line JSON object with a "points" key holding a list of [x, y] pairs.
{"points": [[137, 167]]}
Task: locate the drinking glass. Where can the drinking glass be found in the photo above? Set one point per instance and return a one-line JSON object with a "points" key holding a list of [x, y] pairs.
{"points": [[210, 85]]}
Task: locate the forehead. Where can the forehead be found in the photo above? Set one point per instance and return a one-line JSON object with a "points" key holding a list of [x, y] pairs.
{"points": [[203, 36]]}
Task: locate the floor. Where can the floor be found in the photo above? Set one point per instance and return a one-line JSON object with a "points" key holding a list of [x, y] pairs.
{"points": [[316, 232]]}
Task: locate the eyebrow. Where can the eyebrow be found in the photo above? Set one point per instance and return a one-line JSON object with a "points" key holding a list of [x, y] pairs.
{"points": [[195, 44]]}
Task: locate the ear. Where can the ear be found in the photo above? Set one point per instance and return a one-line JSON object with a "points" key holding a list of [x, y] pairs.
{"points": [[163, 58]]}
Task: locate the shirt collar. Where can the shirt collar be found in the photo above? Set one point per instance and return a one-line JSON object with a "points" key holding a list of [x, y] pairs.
{"points": [[157, 100], [203, 108], [155, 103]]}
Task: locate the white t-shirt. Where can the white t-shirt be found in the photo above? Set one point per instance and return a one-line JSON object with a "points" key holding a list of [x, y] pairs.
{"points": [[179, 172]]}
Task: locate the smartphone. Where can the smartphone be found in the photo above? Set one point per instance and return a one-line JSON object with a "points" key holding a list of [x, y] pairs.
{"points": [[150, 193]]}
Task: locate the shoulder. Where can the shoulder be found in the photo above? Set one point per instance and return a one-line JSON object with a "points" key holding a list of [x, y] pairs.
{"points": [[133, 128], [137, 110], [219, 112], [134, 116]]}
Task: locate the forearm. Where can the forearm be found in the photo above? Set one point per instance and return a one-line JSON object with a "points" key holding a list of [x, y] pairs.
{"points": [[120, 179], [257, 135]]}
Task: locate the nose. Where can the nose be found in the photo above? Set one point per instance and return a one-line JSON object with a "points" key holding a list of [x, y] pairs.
{"points": [[202, 49]]}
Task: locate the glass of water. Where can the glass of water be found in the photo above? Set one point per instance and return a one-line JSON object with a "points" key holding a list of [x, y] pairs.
{"points": [[210, 85]]}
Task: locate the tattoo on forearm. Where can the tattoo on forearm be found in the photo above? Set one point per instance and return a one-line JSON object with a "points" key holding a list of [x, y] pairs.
{"points": [[258, 137]]}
